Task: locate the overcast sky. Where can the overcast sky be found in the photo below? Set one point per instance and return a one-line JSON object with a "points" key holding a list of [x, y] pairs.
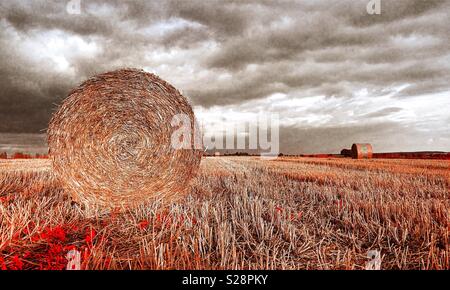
{"points": [[335, 74]]}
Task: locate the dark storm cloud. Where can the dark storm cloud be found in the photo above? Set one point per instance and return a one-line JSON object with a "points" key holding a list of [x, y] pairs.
{"points": [[407, 43], [27, 93], [392, 11], [29, 15], [223, 53], [222, 18]]}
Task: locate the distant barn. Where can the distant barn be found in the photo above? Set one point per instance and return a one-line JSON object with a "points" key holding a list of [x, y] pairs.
{"points": [[362, 151], [3, 155]]}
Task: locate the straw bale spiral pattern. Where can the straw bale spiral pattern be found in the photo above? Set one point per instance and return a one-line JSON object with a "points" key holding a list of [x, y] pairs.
{"points": [[110, 140]]}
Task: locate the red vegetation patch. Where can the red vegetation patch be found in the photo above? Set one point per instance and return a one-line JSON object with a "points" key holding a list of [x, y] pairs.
{"points": [[6, 199], [291, 216], [143, 224], [90, 235], [53, 234], [49, 249]]}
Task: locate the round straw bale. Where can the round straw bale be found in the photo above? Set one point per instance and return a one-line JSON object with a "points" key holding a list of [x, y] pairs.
{"points": [[110, 140], [362, 151]]}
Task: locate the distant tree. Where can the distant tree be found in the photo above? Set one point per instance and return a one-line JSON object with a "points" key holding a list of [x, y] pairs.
{"points": [[346, 152], [20, 155]]}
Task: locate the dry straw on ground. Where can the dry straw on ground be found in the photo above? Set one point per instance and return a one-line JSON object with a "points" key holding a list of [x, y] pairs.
{"points": [[241, 213], [110, 141]]}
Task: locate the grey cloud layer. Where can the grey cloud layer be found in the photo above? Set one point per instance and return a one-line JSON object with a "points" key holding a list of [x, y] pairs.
{"points": [[247, 49]]}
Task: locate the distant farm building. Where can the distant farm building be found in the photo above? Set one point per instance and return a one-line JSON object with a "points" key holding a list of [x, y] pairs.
{"points": [[217, 154], [362, 151], [3, 155], [346, 152]]}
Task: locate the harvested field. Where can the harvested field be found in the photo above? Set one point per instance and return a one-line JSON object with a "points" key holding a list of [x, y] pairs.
{"points": [[240, 213]]}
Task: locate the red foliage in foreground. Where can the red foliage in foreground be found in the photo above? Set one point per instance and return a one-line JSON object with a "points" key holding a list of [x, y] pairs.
{"points": [[17, 263], [90, 235], [51, 234], [143, 224], [50, 245], [2, 264], [50, 249]]}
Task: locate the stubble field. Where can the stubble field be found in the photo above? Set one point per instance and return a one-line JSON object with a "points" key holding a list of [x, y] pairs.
{"points": [[241, 213]]}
